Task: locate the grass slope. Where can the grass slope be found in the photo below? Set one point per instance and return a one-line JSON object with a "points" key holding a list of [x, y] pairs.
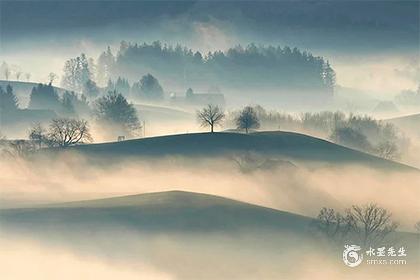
{"points": [[287, 145], [173, 210]]}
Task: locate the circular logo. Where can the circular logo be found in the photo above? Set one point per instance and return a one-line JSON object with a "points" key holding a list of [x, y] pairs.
{"points": [[351, 257]]}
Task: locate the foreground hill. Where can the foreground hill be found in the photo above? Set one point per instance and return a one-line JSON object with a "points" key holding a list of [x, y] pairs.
{"points": [[275, 145], [185, 235], [173, 211]]}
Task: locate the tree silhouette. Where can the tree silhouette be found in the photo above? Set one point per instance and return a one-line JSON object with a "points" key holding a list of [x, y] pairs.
{"points": [[5, 70], [148, 88], [372, 222], [369, 223], [76, 73], [38, 135], [210, 116], [247, 119], [114, 110], [105, 66], [52, 77], [242, 67], [44, 97], [67, 132], [90, 89]]}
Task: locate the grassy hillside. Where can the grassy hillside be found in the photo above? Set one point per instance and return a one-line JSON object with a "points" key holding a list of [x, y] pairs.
{"points": [[174, 210], [274, 145]]}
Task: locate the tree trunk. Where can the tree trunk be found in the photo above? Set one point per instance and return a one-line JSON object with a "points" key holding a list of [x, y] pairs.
{"points": [[211, 128]]}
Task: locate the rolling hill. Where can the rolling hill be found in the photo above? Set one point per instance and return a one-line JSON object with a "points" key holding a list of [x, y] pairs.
{"points": [[168, 211], [23, 90], [160, 113], [409, 124], [290, 146], [192, 232]]}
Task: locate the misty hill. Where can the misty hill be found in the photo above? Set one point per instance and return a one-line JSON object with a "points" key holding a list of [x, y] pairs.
{"points": [[161, 113], [23, 90], [282, 145], [245, 68], [173, 210], [409, 124]]}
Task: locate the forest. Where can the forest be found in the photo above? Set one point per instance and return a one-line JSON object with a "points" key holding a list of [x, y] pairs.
{"points": [[250, 67]]}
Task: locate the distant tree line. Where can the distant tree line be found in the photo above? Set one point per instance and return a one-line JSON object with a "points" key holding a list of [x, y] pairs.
{"points": [[111, 111], [82, 75], [359, 132], [240, 67], [13, 72], [45, 97]]}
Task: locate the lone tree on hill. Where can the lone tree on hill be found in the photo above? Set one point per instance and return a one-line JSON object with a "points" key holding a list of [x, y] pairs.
{"points": [[210, 116], [52, 77], [247, 119]]}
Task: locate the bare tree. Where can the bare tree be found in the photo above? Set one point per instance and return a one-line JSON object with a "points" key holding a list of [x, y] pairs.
{"points": [[388, 150], [369, 224], [372, 222], [247, 119], [38, 135], [210, 116], [67, 132], [28, 76], [52, 77], [18, 75], [6, 72], [333, 224], [17, 148]]}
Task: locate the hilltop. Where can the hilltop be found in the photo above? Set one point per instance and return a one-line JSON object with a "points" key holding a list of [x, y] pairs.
{"points": [[172, 210], [274, 145]]}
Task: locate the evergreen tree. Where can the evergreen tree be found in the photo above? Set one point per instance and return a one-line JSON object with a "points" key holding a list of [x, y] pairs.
{"points": [[105, 65], [148, 88], [44, 97], [122, 86], [113, 110], [8, 100], [90, 89]]}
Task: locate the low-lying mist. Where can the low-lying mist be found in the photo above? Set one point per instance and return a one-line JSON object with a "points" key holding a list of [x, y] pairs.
{"points": [[128, 255], [296, 189]]}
